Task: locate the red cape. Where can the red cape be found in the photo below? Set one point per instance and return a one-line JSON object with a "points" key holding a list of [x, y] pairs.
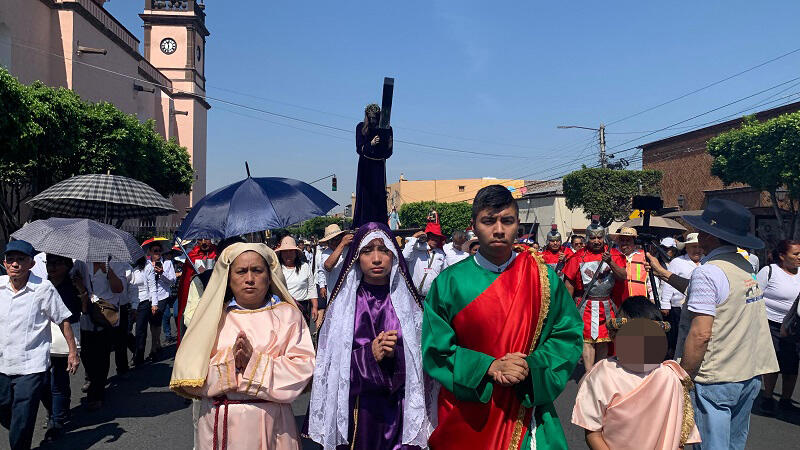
{"points": [[186, 279]]}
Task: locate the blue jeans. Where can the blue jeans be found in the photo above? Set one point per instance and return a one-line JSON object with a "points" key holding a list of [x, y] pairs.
{"points": [[56, 392], [170, 310], [722, 413], [19, 403]]}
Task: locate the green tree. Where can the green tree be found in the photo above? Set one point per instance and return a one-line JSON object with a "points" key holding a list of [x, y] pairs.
{"points": [[766, 156], [50, 134], [607, 192], [315, 227], [453, 216]]}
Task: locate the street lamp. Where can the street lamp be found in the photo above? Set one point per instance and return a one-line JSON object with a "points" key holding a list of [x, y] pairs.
{"points": [[602, 132]]}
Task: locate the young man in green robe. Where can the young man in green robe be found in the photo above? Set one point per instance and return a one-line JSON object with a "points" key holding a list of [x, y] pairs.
{"points": [[502, 336]]}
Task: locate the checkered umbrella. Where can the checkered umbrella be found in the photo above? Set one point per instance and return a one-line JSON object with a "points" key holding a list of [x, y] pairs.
{"points": [[81, 239], [102, 197]]}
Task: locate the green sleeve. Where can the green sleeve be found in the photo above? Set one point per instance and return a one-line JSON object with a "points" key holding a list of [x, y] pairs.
{"points": [[460, 370], [559, 348]]}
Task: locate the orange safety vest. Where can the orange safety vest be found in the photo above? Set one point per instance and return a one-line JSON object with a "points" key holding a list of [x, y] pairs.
{"points": [[636, 276]]}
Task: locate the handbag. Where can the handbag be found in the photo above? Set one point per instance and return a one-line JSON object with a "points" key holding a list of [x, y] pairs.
{"points": [[791, 323], [103, 313]]}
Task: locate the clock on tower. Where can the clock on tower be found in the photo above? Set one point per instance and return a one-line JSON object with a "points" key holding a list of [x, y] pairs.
{"points": [[174, 43]]}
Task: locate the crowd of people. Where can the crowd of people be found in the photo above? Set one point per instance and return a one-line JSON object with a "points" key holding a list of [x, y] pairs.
{"points": [[423, 342]]}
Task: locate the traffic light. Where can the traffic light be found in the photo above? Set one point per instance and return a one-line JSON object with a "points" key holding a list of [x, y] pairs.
{"points": [[333, 183]]}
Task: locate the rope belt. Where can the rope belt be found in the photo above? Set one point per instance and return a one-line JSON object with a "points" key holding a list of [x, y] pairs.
{"points": [[224, 402]]}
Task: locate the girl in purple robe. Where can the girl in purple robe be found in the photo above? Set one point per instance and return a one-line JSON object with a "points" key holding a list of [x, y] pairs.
{"points": [[369, 389]]}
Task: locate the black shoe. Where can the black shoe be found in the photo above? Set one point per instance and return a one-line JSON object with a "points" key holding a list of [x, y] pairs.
{"points": [[785, 405], [768, 406], [53, 433]]}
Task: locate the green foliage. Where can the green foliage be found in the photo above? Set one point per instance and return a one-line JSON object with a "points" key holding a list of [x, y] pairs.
{"points": [[453, 216], [764, 155], [608, 192], [50, 134], [315, 228]]}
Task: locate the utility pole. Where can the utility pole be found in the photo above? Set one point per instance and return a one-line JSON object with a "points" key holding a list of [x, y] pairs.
{"points": [[602, 133], [603, 160]]}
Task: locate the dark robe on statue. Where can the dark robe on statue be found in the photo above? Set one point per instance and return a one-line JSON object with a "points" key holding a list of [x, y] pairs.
{"points": [[371, 177]]}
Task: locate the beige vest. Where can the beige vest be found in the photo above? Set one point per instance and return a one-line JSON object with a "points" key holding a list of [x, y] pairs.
{"points": [[740, 347]]}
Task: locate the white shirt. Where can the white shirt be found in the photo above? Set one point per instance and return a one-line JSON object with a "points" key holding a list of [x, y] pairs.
{"points": [[137, 291], [159, 290], [300, 284], [708, 286], [682, 266], [453, 254], [124, 272], [329, 278], [25, 318], [780, 291], [492, 267], [421, 262]]}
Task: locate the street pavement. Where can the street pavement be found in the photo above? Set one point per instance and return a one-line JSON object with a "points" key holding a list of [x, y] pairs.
{"points": [[141, 412]]}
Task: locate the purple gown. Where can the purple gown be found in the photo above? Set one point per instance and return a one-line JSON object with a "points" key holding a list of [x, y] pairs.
{"points": [[377, 390], [371, 177]]}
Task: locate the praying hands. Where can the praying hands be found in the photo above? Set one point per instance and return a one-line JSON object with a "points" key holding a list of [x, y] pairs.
{"points": [[509, 370], [383, 345], [242, 351]]}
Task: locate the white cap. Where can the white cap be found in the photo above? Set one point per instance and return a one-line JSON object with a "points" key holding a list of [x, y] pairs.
{"points": [[669, 242]]}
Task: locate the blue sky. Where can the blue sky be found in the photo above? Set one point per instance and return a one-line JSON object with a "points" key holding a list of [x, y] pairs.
{"points": [[490, 77]]}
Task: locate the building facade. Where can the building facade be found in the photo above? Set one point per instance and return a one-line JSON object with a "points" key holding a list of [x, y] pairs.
{"points": [[543, 205], [444, 191], [79, 45], [687, 183]]}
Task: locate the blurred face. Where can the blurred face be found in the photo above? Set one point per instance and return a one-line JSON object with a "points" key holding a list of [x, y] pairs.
{"points": [[707, 242], [375, 260], [249, 279], [474, 248], [496, 231], [435, 241], [154, 252], [18, 265], [459, 241], [289, 257], [205, 244], [626, 244], [596, 243], [695, 252], [577, 244], [554, 245], [535, 246], [791, 259], [333, 243], [373, 120], [57, 268]]}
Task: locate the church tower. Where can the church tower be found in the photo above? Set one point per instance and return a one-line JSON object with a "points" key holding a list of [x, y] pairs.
{"points": [[174, 43]]}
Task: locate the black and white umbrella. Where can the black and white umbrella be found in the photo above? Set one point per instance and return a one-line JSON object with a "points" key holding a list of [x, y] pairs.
{"points": [[81, 239], [102, 197]]}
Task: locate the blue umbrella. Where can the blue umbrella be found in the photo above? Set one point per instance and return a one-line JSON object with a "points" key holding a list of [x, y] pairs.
{"points": [[254, 204]]}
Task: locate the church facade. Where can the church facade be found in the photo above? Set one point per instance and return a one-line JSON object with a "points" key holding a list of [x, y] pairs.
{"points": [[79, 45]]}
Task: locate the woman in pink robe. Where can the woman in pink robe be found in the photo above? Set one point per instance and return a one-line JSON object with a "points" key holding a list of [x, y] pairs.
{"points": [[258, 355]]}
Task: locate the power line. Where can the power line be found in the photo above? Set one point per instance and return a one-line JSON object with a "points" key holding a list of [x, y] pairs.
{"points": [[706, 86], [261, 110]]}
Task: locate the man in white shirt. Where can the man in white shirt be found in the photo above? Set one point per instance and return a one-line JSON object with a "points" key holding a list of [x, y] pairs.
{"points": [[27, 306], [425, 258], [330, 262], [159, 275], [454, 251], [671, 298]]}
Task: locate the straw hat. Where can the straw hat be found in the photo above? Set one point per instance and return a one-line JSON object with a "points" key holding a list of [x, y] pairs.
{"points": [[626, 231], [331, 231], [287, 243], [691, 238]]}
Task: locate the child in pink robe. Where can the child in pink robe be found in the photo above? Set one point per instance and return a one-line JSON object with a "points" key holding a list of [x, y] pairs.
{"points": [[637, 404]]}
